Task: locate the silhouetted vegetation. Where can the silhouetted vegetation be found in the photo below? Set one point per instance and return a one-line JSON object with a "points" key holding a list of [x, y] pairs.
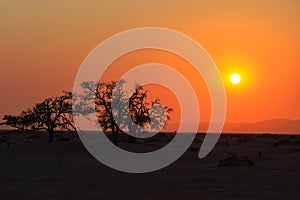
{"points": [[138, 110], [54, 113]]}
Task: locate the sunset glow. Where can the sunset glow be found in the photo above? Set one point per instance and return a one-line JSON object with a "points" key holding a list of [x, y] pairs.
{"points": [[150, 99], [44, 43]]}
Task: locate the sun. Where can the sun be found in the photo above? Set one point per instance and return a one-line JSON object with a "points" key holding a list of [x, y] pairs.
{"points": [[235, 79]]}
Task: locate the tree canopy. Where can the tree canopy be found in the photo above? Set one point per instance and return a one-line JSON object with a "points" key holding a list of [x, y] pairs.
{"points": [[129, 109], [116, 110], [54, 113]]}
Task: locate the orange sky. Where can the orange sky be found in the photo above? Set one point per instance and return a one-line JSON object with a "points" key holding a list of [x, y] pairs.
{"points": [[44, 42]]}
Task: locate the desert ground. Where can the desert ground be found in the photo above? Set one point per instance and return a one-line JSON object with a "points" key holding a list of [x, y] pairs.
{"points": [[241, 166]]}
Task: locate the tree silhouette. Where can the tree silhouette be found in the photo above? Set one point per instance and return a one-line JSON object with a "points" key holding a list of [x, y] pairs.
{"points": [[22, 121], [142, 115], [139, 111], [54, 113], [51, 114], [129, 111], [100, 97]]}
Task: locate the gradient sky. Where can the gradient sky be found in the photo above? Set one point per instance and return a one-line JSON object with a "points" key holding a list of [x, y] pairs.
{"points": [[43, 44]]}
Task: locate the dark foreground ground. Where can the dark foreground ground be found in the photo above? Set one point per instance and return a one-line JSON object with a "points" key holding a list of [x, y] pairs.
{"points": [[31, 168]]}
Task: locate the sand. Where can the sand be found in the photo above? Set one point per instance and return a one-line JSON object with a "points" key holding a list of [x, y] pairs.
{"points": [[32, 168]]}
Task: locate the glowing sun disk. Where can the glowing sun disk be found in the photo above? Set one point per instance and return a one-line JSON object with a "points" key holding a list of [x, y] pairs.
{"points": [[235, 78]]}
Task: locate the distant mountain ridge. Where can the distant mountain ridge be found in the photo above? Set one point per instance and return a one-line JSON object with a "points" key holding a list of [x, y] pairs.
{"points": [[266, 126], [271, 125]]}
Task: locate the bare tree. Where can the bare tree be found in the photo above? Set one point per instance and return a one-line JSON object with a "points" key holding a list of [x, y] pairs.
{"points": [[144, 113], [52, 114], [139, 110], [22, 122], [101, 97]]}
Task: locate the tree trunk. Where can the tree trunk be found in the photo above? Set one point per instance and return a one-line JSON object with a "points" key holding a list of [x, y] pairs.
{"points": [[51, 135], [131, 139], [115, 136], [114, 130]]}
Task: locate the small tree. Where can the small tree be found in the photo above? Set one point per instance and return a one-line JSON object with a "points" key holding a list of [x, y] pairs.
{"points": [[144, 113], [100, 95], [22, 122], [139, 110], [54, 113], [51, 114]]}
